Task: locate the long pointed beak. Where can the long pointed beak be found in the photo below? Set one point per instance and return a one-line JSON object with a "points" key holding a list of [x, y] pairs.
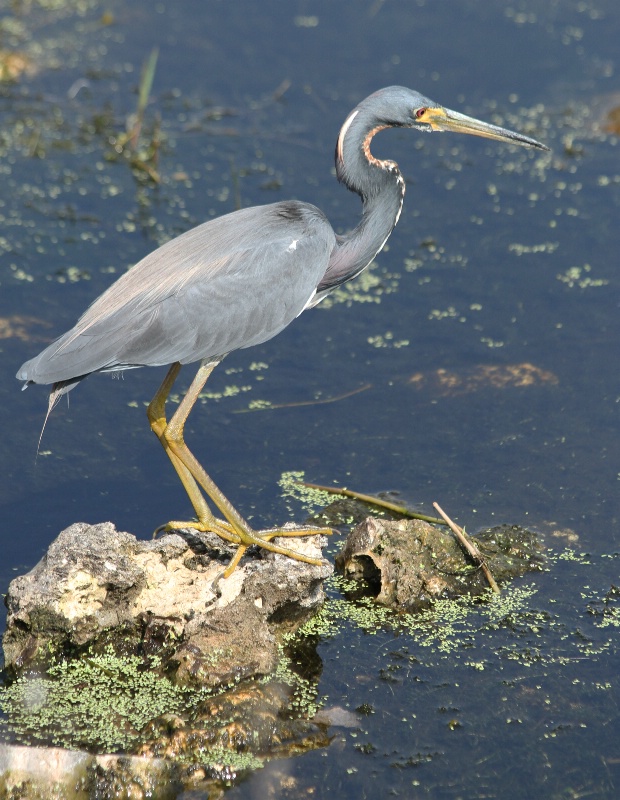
{"points": [[443, 119]]}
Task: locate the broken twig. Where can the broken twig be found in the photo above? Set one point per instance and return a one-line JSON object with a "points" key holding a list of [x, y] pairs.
{"points": [[375, 501], [319, 402], [471, 548]]}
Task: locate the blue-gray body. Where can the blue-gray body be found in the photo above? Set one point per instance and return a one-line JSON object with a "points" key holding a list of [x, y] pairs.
{"points": [[237, 281], [240, 279]]}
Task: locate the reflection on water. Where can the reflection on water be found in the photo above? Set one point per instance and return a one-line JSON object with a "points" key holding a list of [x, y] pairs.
{"points": [[499, 260]]}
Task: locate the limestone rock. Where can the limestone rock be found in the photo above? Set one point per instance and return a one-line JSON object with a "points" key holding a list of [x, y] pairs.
{"points": [[98, 586]]}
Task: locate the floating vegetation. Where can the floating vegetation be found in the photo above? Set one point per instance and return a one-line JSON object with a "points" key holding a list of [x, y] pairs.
{"points": [[447, 313], [606, 609], [259, 405], [304, 699], [70, 275], [110, 704], [524, 249], [101, 702], [445, 627], [310, 499], [363, 613], [13, 65], [19, 326], [580, 276], [514, 626], [387, 340], [367, 288], [228, 391], [447, 383]]}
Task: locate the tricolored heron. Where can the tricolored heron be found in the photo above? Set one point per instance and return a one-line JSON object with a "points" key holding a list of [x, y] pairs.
{"points": [[238, 280]]}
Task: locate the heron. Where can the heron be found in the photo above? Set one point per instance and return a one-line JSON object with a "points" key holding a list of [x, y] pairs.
{"points": [[238, 280]]}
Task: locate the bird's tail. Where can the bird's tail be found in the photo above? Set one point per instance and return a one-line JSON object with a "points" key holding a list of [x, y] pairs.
{"points": [[57, 391]]}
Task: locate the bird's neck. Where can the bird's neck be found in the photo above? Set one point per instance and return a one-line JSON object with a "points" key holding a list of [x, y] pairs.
{"points": [[381, 188], [380, 213]]}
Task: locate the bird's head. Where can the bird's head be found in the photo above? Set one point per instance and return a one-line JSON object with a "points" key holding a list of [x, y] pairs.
{"points": [[396, 106]]}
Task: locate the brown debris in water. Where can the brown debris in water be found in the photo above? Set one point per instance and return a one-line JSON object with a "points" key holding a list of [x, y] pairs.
{"points": [[449, 383]]}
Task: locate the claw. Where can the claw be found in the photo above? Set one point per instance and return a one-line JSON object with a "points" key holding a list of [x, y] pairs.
{"points": [[234, 562]]}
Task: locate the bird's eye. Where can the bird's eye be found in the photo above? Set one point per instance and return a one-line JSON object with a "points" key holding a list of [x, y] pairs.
{"points": [[420, 112]]}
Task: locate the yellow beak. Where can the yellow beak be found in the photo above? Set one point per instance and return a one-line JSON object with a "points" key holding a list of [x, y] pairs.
{"points": [[443, 119]]}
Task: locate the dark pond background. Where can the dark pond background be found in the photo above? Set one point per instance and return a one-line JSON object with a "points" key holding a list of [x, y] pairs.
{"points": [[501, 258]]}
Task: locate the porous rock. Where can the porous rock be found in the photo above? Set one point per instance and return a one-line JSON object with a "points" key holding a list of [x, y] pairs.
{"points": [[408, 563], [97, 586]]}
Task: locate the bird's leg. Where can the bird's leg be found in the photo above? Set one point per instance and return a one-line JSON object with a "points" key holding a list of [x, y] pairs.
{"points": [[173, 434], [156, 413]]}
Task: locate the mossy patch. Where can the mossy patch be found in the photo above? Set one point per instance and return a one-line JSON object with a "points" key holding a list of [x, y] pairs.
{"points": [[100, 702], [291, 485]]}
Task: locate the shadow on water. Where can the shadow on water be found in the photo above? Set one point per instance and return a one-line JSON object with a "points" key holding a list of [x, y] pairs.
{"points": [[500, 259]]}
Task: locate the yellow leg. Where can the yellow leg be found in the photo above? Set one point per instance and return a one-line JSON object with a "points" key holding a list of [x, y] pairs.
{"points": [[156, 413], [193, 476]]}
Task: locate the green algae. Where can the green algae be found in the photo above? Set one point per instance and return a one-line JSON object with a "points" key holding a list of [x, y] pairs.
{"points": [[310, 500], [304, 700], [102, 702]]}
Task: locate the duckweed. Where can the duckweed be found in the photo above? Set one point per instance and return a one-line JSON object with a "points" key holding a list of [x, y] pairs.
{"points": [[102, 702]]}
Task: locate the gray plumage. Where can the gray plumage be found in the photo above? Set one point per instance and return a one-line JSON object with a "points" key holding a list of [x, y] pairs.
{"points": [[240, 279], [154, 315]]}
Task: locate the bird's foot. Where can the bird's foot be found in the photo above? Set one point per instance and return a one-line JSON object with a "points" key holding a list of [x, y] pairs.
{"points": [[211, 525], [263, 539], [301, 530], [245, 538]]}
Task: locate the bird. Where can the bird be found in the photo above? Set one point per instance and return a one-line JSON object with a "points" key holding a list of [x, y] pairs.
{"points": [[236, 281]]}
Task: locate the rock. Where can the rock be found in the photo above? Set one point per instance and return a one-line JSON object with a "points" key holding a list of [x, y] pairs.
{"points": [[408, 563], [257, 719], [34, 773], [53, 773], [97, 586]]}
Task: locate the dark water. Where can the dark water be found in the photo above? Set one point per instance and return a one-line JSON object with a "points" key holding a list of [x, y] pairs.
{"points": [[501, 258]]}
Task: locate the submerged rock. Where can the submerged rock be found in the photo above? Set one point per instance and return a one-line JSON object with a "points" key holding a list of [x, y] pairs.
{"points": [[97, 587], [408, 563], [33, 773]]}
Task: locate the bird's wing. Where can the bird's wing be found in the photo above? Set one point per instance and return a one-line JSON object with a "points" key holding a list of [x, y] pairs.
{"points": [[232, 282]]}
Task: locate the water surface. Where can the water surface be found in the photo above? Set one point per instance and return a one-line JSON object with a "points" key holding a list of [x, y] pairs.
{"points": [[502, 258]]}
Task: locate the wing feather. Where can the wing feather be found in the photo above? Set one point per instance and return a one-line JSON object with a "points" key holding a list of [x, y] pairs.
{"points": [[230, 283]]}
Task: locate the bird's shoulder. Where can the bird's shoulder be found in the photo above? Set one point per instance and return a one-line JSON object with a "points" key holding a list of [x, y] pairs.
{"points": [[206, 254], [259, 225], [249, 229]]}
